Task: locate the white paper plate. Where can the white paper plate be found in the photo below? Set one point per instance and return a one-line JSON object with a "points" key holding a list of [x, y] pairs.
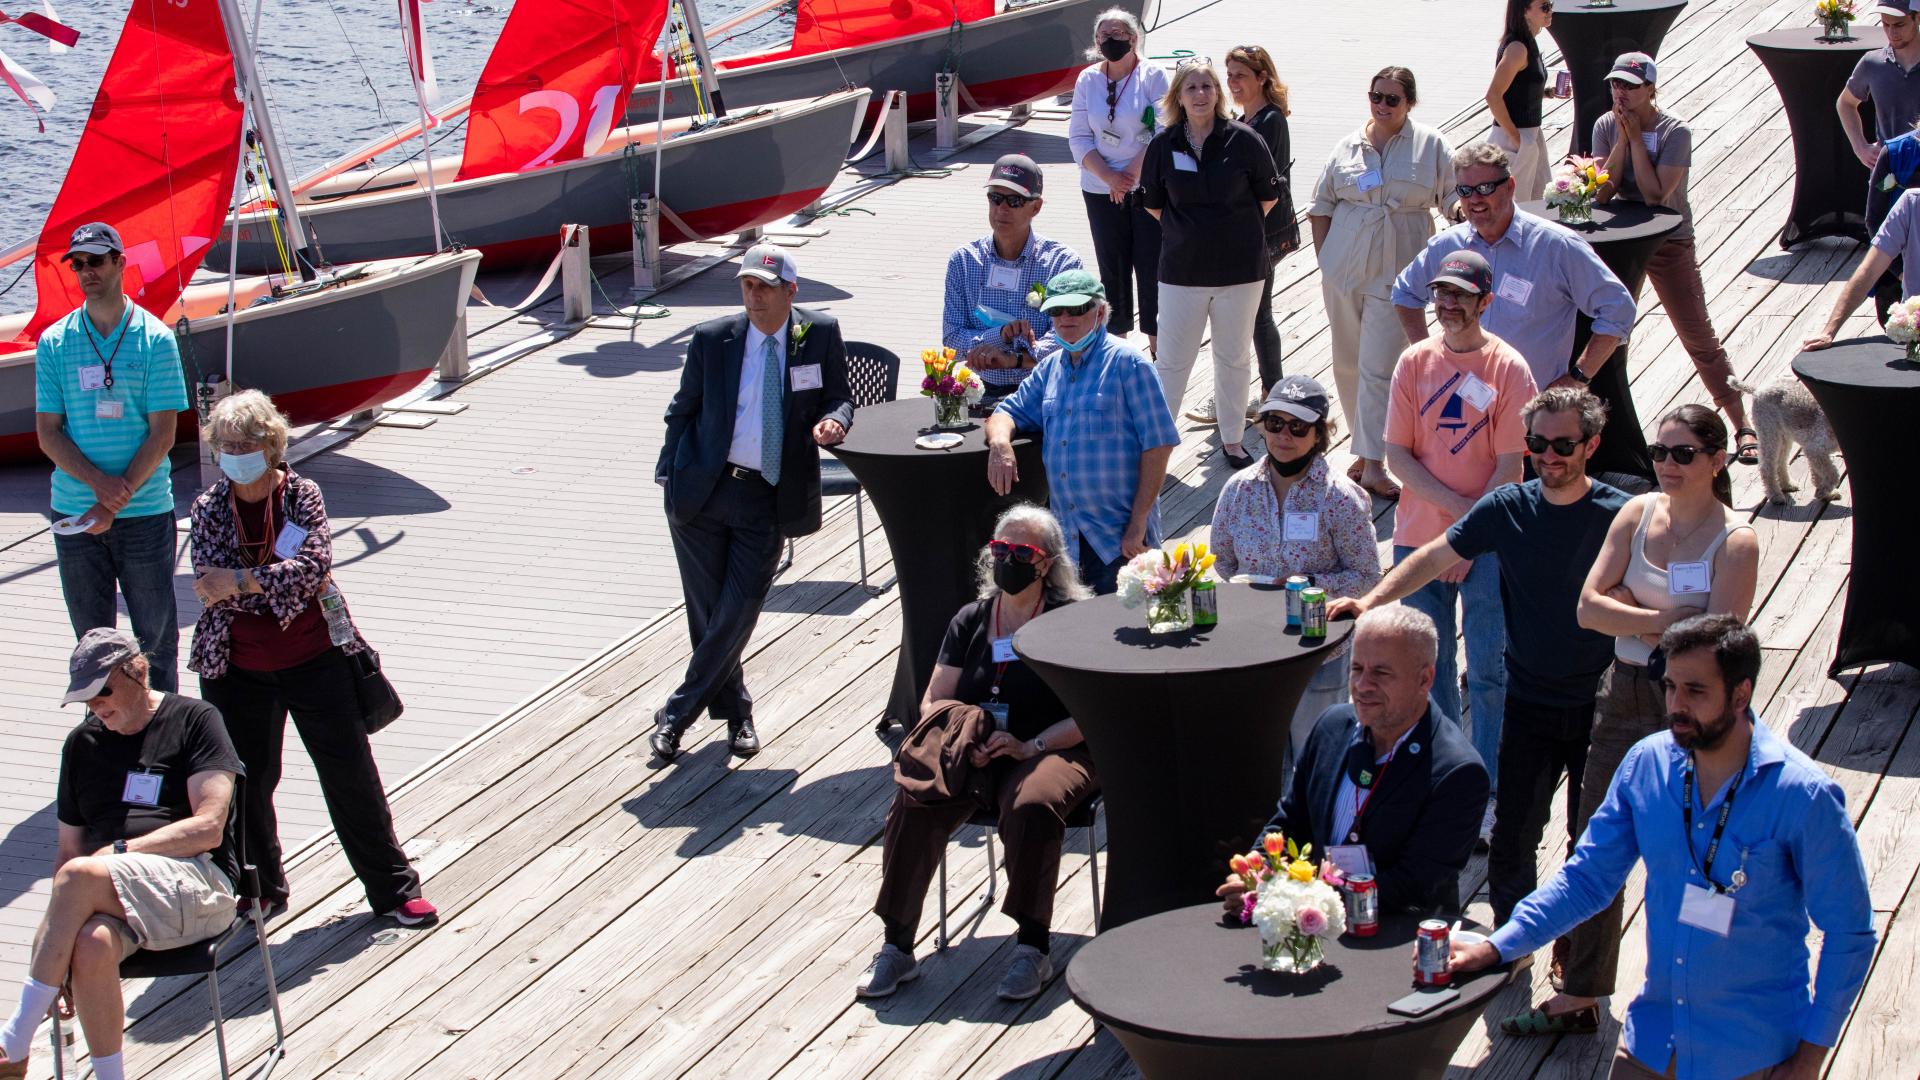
{"points": [[939, 441], [72, 526]]}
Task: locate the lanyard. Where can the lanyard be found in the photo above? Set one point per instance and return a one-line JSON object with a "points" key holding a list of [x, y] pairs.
{"points": [[1713, 845], [1365, 796], [106, 361], [1113, 91], [1000, 667], [254, 552]]}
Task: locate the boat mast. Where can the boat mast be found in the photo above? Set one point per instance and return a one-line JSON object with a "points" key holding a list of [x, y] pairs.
{"points": [[241, 44], [707, 73]]}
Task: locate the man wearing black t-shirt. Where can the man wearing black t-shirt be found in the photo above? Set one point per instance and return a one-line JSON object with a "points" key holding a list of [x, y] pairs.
{"points": [[144, 858], [1547, 532]]}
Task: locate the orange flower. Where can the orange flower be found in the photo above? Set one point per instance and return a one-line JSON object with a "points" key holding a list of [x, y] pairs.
{"points": [[1274, 843]]}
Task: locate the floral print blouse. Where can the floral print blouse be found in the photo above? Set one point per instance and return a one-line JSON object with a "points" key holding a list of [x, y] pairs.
{"points": [[1249, 531], [288, 585]]}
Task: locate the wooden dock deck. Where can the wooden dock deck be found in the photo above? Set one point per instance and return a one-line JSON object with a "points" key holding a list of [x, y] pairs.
{"points": [[607, 919]]}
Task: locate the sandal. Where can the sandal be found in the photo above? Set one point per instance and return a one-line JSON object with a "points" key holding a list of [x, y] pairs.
{"points": [[1748, 452], [1540, 1022], [1356, 470], [1385, 489]]}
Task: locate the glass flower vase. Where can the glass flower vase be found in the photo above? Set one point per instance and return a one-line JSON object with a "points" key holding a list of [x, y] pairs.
{"points": [[1834, 31], [1576, 213], [949, 412], [1913, 351], [1170, 613], [1295, 954]]}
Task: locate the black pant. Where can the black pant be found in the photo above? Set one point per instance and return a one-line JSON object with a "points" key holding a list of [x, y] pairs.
{"points": [[1266, 334], [319, 694], [727, 555], [1537, 743], [1126, 244]]}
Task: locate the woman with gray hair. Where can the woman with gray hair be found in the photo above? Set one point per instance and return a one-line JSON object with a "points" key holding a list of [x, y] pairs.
{"points": [[1037, 771], [265, 647]]}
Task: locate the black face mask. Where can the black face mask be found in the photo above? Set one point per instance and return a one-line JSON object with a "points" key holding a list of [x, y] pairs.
{"points": [[1013, 577], [1115, 48], [1292, 468]]}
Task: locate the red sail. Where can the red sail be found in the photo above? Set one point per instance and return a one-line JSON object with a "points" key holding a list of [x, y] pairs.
{"points": [[156, 160], [825, 25], [557, 82]]}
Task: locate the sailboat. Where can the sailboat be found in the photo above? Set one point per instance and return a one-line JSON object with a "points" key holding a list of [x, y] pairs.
{"points": [[157, 160], [543, 151]]}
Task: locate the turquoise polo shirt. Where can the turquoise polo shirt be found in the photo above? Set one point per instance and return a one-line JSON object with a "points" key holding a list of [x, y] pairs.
{"points": [[146, 379]]}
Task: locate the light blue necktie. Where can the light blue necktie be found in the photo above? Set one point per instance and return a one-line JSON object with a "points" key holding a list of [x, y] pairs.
{"points": [[771, 413]]}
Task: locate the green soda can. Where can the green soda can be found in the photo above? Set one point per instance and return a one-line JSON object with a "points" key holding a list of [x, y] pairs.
{"points": [[1206, 603], [1313, 614]]}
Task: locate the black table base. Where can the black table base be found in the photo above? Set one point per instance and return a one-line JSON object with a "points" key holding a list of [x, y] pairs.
{"points": [[1591, 38], [1829, 183]]}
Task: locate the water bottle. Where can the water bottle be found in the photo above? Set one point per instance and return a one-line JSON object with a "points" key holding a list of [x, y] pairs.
{"points": [[334, 607]]}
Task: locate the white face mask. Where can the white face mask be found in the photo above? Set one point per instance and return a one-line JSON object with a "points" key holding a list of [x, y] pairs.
{"points": [[244, 468]]}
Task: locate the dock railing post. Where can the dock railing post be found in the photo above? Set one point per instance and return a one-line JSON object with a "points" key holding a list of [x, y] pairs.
{"points": [[207, 394], [946, 111], [576, 275], [899, 158], [646, 243]]}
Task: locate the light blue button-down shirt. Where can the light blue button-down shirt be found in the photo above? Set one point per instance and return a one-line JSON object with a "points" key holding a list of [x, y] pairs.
{"points": [[1719, 1006], [969, 285], [1095, 416], [1558, 274]]}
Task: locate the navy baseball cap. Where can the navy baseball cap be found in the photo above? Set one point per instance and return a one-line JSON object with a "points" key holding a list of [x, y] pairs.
{"points": [[1894, 9], [1467, 270], [1016, 173], [100, 651], [94, 238], [1635, 68]]}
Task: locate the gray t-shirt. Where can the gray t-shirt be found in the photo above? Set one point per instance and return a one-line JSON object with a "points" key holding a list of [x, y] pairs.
{"points": [[1668, 142], [1899, 236], [1894, 91]]}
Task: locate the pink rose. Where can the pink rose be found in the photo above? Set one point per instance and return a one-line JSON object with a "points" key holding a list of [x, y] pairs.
{"points": [[1310, 921]]}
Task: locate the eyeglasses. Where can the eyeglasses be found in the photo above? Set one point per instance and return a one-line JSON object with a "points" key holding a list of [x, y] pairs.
{"points": [[90, 262], [1452, 294], [1071, 312], [1391, 101], [1562, 447], [1002, 550], [1275, 423], [1681, 454], [237, 448], [1011, 202], [1482, 190]]}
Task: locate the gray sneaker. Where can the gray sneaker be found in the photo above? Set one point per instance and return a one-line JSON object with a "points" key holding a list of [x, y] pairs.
{"points": [[889, 969], [1202, 413], [1027, 974]]}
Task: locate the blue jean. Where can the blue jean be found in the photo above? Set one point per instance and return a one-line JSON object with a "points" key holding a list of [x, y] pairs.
{"points": [[134, 557], [1096, 573], [1485, 625]]}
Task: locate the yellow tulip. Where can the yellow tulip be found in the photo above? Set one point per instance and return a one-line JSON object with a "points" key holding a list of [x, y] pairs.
{"points": [[1300, 870], [1183, 555], [1206, 563]]}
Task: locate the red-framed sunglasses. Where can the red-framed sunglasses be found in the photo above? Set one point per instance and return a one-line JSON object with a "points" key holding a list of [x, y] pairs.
{"points": [[1002, 550]]}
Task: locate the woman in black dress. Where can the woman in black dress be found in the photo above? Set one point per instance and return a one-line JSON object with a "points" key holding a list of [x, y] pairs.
{"points": [[1261, 97]]}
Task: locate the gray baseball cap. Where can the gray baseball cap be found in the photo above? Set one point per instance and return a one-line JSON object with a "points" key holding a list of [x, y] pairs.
{"points": [[1016, 173], [1634, 67], [770, 263], [1299, 397], [95, 238], [99, 652]]}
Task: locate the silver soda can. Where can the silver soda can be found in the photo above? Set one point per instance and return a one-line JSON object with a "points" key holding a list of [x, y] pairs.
{"points": [[1430, 954], [1295, 586], [1313, 614], [1363, 906]]}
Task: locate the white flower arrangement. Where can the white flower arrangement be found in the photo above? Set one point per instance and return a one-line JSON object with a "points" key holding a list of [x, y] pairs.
{"points": [[1297, 910], [1903, 321]]}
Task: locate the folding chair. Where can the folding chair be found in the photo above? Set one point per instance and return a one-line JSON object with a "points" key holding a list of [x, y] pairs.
{"points": [[1083, 816], [205, 957], [874, 374]]}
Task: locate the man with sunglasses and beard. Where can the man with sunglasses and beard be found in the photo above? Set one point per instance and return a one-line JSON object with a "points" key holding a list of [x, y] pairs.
{"points": [[986, 317], [1745, 840], [1546, 533], [108, 390]]}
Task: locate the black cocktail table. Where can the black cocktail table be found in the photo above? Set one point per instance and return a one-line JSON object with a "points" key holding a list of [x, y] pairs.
{"points": [[1591, 38], [1188, 732], [937, 510], [1829, 183], [1869, 391], [1186, 996]]}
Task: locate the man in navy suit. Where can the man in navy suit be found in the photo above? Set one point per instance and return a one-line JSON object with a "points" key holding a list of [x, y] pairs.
{"points": [[759, 393], [1388, 783]]}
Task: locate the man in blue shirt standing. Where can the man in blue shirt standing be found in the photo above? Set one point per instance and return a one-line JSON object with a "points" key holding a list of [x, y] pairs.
{"points": [[108, 390], [1106, 433], [986, 317], [1745, 839]]}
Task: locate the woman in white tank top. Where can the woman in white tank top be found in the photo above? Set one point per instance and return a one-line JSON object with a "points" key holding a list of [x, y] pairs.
{"points": [[1678, 552]]}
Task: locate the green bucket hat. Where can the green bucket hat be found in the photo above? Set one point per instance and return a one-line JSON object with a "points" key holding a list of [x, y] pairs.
{"points": [[1072, 288]]}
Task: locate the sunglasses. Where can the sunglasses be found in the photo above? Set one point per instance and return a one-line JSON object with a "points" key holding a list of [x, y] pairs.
{"points": [[1547, 7], [1482, 190], [90, 262], [1275, 423], [1562, 447], [1621, 84], [1070, 312], [1011, 202], [1684, 455], [1391, 101], [1002, 550]]}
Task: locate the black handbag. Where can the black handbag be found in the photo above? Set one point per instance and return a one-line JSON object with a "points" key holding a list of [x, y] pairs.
{"points": [[380, 704]]}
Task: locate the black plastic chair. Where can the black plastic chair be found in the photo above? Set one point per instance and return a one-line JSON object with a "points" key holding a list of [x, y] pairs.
{"points": [[205, 957], [874, 375], [1084, 816]]}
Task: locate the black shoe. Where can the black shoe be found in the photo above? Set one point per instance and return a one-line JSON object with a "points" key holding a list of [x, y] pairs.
{"points": [[665, 739], [742, 739]]}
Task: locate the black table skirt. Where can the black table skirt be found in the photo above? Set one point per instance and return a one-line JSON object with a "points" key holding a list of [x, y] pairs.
{"points": [[1869, 392], [1829, 183], [938, 511], [1186, 996], [1188, 733], [1591, 38]]}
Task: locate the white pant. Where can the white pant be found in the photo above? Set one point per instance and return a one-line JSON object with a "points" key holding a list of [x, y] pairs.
{"points": [[1527, 162], [1185, 311], [1367, 341]]}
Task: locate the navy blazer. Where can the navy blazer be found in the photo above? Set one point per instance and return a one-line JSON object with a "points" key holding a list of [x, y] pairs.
{"points": [[1422, 819], [700, 417]]}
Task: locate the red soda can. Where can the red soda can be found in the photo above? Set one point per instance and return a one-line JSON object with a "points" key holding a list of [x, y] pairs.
{"points": [[1430, 954], [1363, 906]]}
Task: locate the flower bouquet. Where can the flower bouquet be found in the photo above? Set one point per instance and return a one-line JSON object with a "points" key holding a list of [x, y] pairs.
{"points": [[1571, 189], [1903, 326], [1295, 907], [1163, 580], [1834, 15], [952, 386]]}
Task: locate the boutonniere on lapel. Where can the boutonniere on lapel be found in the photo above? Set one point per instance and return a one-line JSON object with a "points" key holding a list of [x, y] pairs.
{"points": [[797, 338], [1036, 296]]}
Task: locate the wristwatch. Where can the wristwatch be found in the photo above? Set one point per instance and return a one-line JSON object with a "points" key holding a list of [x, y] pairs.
{"points": [[119, 847], [1039, 744], [1574, 373]]}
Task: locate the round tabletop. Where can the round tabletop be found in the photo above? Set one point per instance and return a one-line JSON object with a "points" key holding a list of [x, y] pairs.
{"points": [[1861, 39], [1621, 221], [1103, 636], [890, 428], [1870, 363]]}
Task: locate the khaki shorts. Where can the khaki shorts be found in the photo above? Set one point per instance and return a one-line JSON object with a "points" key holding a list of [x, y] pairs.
{"points": [[169, 902]]}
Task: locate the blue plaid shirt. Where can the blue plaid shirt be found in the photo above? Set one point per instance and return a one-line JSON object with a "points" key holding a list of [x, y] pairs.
{"points": [[967, 272], [1095, 416]]}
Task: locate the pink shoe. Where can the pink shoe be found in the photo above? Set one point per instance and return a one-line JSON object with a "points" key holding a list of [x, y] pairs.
{"points": [[415, 912]]}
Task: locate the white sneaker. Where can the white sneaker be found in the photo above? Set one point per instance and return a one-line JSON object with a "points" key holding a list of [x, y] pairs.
{"points": [[890, 968], [1202, 413], [1027, 974]]}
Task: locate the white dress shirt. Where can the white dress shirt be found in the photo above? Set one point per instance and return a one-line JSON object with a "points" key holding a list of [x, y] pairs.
{"points": [[745, 449]]}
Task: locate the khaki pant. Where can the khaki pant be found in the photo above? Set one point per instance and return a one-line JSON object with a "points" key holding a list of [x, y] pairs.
{"points": [[1527, 162], [1367, 341], [1675, 273], [1185, 312]]}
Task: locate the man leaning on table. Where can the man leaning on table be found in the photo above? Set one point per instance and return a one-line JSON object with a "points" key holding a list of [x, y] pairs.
{"points": [[1105, 433], [1888, 78], [1745, 839]]}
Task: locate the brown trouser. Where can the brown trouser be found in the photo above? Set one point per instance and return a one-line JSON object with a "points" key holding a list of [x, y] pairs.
{"points": [[1675, 274], [1034, 798], [1628, 1067], [1632, 707]]}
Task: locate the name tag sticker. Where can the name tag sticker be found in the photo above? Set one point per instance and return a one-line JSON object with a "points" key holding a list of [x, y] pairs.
{"points": [[287, 544], [109, 409], [1515, 289], [1003, 277], [1110, 137], [93, 377], [1368, 180], [143, 789], [1003, 650], [1476, 392], [1351, 859], [1183, 162], [1704, 909], [806, 377], [1301, 526], [1688, 577], [1651, 141]]}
